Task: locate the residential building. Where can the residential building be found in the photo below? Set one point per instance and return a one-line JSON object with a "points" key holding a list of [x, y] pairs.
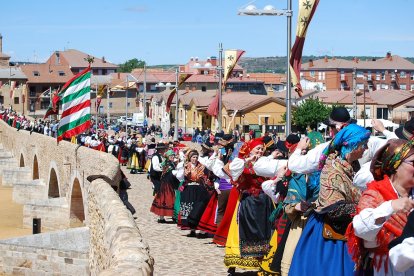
{"points": [[390, 72]]}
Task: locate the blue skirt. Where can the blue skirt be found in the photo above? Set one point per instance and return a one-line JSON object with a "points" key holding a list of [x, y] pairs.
{"points": [[315, 255]]}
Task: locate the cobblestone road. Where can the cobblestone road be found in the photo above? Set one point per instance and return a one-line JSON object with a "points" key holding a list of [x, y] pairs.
{"points": [[174, 253]]}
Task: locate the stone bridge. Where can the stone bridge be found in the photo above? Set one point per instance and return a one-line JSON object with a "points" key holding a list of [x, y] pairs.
{"points": [[50, 181]]}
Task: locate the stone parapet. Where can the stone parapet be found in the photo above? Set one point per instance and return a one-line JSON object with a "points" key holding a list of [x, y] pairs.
{"points": [[117, 247]]}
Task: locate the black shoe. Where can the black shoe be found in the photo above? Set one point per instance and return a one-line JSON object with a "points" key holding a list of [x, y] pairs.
{"points": [[202, 236], [192, 234], [162, 221], [231, 271]]}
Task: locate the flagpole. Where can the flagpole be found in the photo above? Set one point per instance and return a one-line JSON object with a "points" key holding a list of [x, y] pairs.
{"points": [[288, 81], [126, 105], [144, 100], [176, 106], [97, 107], [108, 115], [220, 68]]}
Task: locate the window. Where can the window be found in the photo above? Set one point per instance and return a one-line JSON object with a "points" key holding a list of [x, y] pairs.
{"points": [[312, 74], [378, 75], [412, 75], [403, 75], [403, 87], [61, 73], [412, 87], [360, 74], [378, 86], [129, 104], [36, 73], [383, 75], [32, 92], [44, 104], [384, 86], [110, 104], [382, 113], [203, 88], [360, 86], [16, 100]]}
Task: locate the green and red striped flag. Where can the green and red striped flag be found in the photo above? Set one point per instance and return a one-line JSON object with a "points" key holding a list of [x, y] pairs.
{"points": [[75, 100]]}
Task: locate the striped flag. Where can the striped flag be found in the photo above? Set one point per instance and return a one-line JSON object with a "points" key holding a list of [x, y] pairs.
{"points": [[75, 99], [306, 11]]}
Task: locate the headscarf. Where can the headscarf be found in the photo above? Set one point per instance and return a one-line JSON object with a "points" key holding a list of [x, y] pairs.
{"points": [[247, 147], [388, 158], [169, 153], [315, 138], [345, 141]]}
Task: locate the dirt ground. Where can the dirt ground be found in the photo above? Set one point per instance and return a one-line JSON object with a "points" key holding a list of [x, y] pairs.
{"points": [[11, 216]]}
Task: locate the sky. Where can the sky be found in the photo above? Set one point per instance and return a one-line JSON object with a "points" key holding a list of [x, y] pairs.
{"points": [[170, 32]]}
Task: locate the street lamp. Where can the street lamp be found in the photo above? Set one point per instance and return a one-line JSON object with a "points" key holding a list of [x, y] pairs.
{"points": [[269, 10], [185, 117]]}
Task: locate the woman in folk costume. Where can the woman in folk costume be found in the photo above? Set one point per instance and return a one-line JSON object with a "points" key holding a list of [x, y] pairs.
{"points": [[163, 203], [250, 229], [193, 192], [322, 248], [383, 208], [133, 163], [302, 190], [277, 189]]}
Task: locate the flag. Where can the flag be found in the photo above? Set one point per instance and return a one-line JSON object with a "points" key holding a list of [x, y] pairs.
{"points": [[306, 11], [213, 108], [75, 99], [231, 57], [99, 95], [45, 93], [232, 119], [182, 79], [12, 87], [53, 108]]}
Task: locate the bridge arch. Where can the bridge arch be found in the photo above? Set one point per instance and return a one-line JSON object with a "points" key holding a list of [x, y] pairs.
{"points": [[35, 168], [53, 184], [77, 210], [21, 162]]}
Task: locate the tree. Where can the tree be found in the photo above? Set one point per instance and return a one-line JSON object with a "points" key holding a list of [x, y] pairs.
{"points": [[310, 113], [130, 65]]}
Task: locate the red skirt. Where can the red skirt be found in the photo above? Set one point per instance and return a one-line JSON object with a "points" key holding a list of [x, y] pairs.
{"points": [[163, 203], [208, 219], [220, 237]]}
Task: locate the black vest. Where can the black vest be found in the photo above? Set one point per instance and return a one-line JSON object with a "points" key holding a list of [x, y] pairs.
{"points": [[153, 173]]}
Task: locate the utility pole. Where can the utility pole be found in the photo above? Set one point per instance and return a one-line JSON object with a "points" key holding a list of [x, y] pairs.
{"points": [[220, 72], [108, 115], [354, 99]]}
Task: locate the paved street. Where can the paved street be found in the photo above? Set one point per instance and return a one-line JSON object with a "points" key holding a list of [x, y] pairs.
{"points": [[174, 253]]}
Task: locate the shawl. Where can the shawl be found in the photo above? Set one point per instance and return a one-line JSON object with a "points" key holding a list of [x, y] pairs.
{"points": [[195, 174], [167, 166], [336, 183], [377, 193]]}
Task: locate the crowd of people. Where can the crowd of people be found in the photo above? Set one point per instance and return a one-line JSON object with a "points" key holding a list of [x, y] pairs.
{"points": [[301, 206]]}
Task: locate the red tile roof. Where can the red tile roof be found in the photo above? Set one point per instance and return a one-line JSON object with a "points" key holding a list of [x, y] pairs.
{"points": [[48, 73], [76, 59], [269, 78], [395, 62]]}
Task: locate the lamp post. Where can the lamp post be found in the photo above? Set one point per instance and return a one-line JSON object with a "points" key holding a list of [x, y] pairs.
{"points": [[269, 10], [185, 117]]}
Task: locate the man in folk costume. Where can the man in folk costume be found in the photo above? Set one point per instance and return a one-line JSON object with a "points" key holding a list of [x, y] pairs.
{"points": [[250, 229], [338, 119], [155, 170]]}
